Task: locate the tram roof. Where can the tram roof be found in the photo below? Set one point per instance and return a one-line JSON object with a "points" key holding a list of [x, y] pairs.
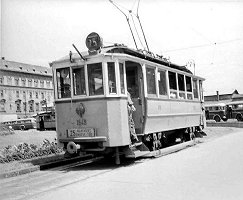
{"points": [[121, 49]]}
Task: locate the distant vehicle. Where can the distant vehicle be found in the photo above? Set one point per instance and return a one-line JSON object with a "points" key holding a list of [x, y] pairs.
{"points": [[21, 124], [46, 121], [235, 110], [216, 112]]}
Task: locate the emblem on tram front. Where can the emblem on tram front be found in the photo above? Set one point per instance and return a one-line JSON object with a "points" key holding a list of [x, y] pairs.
{"points": [[80, 110]]}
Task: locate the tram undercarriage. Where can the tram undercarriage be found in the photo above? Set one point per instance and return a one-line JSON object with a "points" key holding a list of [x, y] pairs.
{"points": [[149, 145]]}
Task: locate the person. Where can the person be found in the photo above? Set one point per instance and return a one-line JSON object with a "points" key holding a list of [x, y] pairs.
{"points": [[131, 108], [42, 128]]}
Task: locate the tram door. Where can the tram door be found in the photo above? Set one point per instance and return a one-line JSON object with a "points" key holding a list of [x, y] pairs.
{"points": [[134, 80]]}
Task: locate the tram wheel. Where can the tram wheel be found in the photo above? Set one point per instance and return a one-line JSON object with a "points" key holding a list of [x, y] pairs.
{"points": [[217, 118], [22, 127], [239, 118]]}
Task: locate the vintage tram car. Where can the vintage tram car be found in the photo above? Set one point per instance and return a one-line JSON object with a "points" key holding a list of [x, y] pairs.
{"points": [[91, 100]]}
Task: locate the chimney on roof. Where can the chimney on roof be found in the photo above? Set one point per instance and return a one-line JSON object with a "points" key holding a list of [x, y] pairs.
{"points": [[217, 92], [3, 58]]}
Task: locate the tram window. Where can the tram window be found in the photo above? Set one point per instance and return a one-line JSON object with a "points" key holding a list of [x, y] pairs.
{"points": [[181, 84], [195, 88], [63, 83], [150, 73], [79, 81], [173, 86], [189, 87], [111, 77], [122, 85], [95, 79], [172, 80], [162, 83], [201, 90]]}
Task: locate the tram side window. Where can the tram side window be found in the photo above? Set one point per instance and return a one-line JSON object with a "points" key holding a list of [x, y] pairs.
{"points": [[189, 87], [181, 84], [63, 83], [195, 88], [111, 77], [122, 85], [95, 79], [79, 81], [162, 83], [151, 88], [173, 86]]}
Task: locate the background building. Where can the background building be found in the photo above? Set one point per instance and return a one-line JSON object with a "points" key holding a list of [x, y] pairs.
{"points": [[24, 89], [220, 98]]}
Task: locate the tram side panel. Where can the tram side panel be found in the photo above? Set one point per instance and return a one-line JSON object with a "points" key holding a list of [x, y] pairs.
{"points": [[106, 117], [170, 115]]}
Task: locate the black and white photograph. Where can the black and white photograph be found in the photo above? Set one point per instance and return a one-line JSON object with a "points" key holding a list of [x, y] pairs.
{"points": [[121, 99]]}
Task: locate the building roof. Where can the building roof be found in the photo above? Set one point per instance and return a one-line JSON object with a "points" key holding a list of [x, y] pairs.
{"points": [[24, 68]]}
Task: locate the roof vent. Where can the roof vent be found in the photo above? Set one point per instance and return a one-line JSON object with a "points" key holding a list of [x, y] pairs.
{"points": [[6, 65], [21, 68]]}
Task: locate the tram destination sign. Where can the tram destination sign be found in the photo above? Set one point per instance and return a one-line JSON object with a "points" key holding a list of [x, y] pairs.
{"points": [[81, 132]]}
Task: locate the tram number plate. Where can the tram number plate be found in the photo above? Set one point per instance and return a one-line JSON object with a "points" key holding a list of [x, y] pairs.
{"points": [[81, 132]]}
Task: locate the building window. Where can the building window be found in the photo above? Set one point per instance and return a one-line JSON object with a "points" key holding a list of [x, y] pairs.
{"points": [[37, 108], [36, 83], [24, 94], [162, 83], [42, 95], [16, 81], [25, 108], [9, 80], [36, 95], [1, 93], [48, 84], [23, 82], [42, 84], [95, 79], [1, 80], [30, 82], [2, 106], [17, 94], [31, 107], [111, 77], [78, 81], [30, 95], [18, 107]]}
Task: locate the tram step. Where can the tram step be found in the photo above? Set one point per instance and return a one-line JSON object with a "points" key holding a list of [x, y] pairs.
{"points": [[138, 153]]}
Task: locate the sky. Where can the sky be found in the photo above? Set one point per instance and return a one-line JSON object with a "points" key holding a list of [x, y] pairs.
{"points": [[208, 33]]}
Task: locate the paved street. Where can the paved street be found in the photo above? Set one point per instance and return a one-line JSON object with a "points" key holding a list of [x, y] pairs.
{"points": [[210, 170]]}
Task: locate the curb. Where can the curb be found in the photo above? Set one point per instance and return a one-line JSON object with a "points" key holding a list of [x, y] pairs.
{"points": [[19, 172], [225, 124], [44, 166]]}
